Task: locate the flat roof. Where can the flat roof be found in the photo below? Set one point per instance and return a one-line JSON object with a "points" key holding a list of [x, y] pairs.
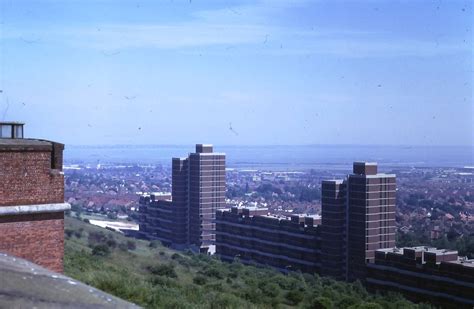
{"points": [[365, 163], [380, 175], [18, 144], [418, 249], [307, 216], [336, 181], [153, 193], [464, 262], [10, 123], [250, 207], [209, 153]]}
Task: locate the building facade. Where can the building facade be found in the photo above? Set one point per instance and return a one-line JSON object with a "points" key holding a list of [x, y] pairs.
{"points": [[179, 193], [198, 190], [333, 228], [253, 236], [31, 198], [358, 217], [424, 274], [156, 218], [206, 194], [371, 216]]}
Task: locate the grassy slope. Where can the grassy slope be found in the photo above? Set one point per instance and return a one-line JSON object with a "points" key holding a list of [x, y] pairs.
{"points": [[160, 277]]}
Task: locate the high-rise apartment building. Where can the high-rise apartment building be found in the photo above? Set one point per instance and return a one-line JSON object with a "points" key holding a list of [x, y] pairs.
{"points": [[358, 217], [179, 193], [198, 190], [333, 228], [206, 194], [31, 197], [371, 216]]}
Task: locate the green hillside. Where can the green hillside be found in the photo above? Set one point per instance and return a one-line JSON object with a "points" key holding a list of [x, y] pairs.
{"points": [[153, 276]]}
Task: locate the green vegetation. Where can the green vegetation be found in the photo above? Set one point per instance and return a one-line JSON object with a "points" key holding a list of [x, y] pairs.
{"points": [[153, 276]]}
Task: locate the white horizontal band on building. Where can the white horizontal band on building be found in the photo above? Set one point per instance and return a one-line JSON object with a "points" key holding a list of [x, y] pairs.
{"points": [[32, 209]]}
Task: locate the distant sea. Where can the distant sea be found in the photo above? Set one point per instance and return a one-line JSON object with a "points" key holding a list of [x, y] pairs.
{"points": [[281, 157]]}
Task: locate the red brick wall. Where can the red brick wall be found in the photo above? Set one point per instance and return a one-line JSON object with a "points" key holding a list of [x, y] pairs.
{"points": [[26, 178], [38, 238]]}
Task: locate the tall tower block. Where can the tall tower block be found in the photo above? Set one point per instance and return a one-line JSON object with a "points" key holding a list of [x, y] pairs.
{"points": [[206, 195], [371, 216]]}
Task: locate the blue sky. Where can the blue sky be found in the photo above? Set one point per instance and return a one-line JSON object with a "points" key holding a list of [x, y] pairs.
{"points": [[239, 72]]}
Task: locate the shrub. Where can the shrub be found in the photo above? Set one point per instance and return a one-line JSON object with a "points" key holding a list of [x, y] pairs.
{"points": [[270, 289], [111, 243], [78, 233], [321, 303], [68, 233], [200, 280], [163, 270], [131, 245], [96, 238], [154, 244], [295, 296], [225, 300], [101, 250], [214, 272]]}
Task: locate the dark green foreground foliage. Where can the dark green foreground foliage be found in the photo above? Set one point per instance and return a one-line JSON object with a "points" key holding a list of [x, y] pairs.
{"points": [[153, 276]]}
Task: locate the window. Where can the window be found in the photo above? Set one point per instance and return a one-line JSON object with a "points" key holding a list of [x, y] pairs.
{"points": [[6, 131]]}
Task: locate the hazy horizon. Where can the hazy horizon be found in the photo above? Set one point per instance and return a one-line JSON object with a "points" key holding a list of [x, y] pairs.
{"points": [[279, 157]]}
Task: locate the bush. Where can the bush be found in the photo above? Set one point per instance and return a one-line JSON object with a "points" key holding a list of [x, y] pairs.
{"points": [[131, 245], [163, 270], [295, 296], [214, 272], [96, 238], [200, 280], [322, 303], [269, 289], [101, 250], [78, 233], [154, 244], [122, 246], [68, 233], [111, 243]]}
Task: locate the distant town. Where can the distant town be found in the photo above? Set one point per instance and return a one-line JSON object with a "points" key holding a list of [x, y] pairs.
{"points": [[434, 205]]}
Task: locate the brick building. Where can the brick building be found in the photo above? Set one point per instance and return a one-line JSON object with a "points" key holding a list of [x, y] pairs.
{"points": [[206, 194], [333, 228], [256, 237], [31, 197], [425, 274], [358, 216], [371, 216], [156, 218], [198, 190]]}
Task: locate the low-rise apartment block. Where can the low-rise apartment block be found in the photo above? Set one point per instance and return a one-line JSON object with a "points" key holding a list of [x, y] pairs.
{"points": [[253, 236], [424, 274]]}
